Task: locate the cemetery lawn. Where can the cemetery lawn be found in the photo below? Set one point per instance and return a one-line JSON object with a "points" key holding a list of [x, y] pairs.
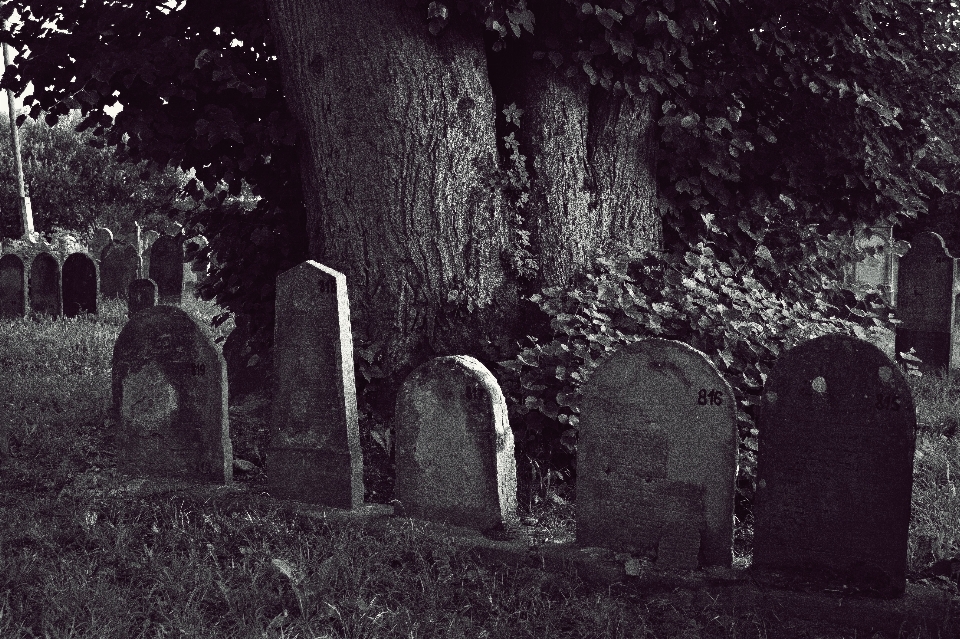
{"points": [[87, 553]]}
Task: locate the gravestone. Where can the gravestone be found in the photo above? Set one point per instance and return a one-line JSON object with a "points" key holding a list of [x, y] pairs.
{"points": [[141, 294], [44, 289], [880, 270], [13, 287], [455, 460], [146, 243], [170, 399], [80, 285], [101, 238], [315, 453], [926, 289], [118, 267], [657, 456], [166, 268], [835, 467]]}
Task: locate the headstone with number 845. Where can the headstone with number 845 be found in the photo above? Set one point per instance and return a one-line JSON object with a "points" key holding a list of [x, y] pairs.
{"points": [[658, 456]]}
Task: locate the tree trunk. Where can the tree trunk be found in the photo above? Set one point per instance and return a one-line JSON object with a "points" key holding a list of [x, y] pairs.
{"points": [[398, 131], [592, 170]]}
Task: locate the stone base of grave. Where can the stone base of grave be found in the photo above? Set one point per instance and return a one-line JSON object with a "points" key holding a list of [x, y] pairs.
{"points": [[314, 476]]}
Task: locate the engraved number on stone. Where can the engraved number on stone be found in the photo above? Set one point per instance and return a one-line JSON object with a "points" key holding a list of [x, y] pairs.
{"points": [[888, 401], [328, 286], [199, 369], [714, 397], [473, 393]]}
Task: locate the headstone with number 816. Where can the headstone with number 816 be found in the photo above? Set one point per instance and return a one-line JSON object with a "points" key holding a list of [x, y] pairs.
{"points": [[170, 398], [658, 456], [835, 467]]}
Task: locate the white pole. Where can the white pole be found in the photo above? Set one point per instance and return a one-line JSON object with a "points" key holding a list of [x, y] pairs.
{"points": [[26, 214]]}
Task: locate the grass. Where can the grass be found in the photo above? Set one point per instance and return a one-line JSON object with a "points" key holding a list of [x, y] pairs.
{"points": [[83, 553]]}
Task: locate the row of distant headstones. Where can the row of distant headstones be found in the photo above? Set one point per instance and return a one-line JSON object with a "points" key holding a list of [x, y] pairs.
{"points": [[75, 287], [657, 451]]}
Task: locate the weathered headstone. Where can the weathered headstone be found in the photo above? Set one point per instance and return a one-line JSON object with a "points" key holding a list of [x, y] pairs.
{"points": [[13, 287], [80, 285], [835, 466], [166, 268], [315, 453], [101, 238], [657, 456], [118, 267], [141, 294], [44, 287], [927, 286], [146, 243], [170, 398], [880, 270], [455, 459]]}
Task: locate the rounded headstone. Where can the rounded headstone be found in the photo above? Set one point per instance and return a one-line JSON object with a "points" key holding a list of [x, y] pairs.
{"points": [[118, 267], [13, 286], [835, 466], [455, 460], [166, 268], [141, 294], [101, 238], [80, 285], [657, 456], [170, 398], [44, 292]]}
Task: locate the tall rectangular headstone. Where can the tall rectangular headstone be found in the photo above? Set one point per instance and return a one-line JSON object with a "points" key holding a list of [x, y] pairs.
{"points": [[45, 286], [13, 287], [455, 460], [927, 288], [166, 268], [835, 467], [657, 456], [80, 285], [315, 453], [170, 398]]}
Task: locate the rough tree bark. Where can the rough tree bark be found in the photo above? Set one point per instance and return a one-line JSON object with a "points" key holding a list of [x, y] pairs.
{"points": [[399, 132]]}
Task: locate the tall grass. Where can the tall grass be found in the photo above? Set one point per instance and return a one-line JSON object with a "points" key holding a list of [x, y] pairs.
{"points": [[84, 553]]}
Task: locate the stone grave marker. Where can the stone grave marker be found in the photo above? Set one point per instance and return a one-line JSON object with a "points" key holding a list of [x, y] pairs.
{"points": [[141, 294], [926, 288], [118, 267], [146, 243], [13, 286], [166, 268], [101, 238], [80, 285], [314, 455], [455, 460], [170, 399], [44, 288], [835, 466], [657, 456]]}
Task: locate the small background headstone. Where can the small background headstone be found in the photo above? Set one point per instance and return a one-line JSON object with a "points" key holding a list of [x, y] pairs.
{"points": [[880, 270], [101, 238], [166, 268], [315, 453], [141, 294], [44, 290], [13, 287], [118, 267], [455, 460], [835, 467], [657, 456], [80, 285], [146, 243], [170, 398], [927, 280]]}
